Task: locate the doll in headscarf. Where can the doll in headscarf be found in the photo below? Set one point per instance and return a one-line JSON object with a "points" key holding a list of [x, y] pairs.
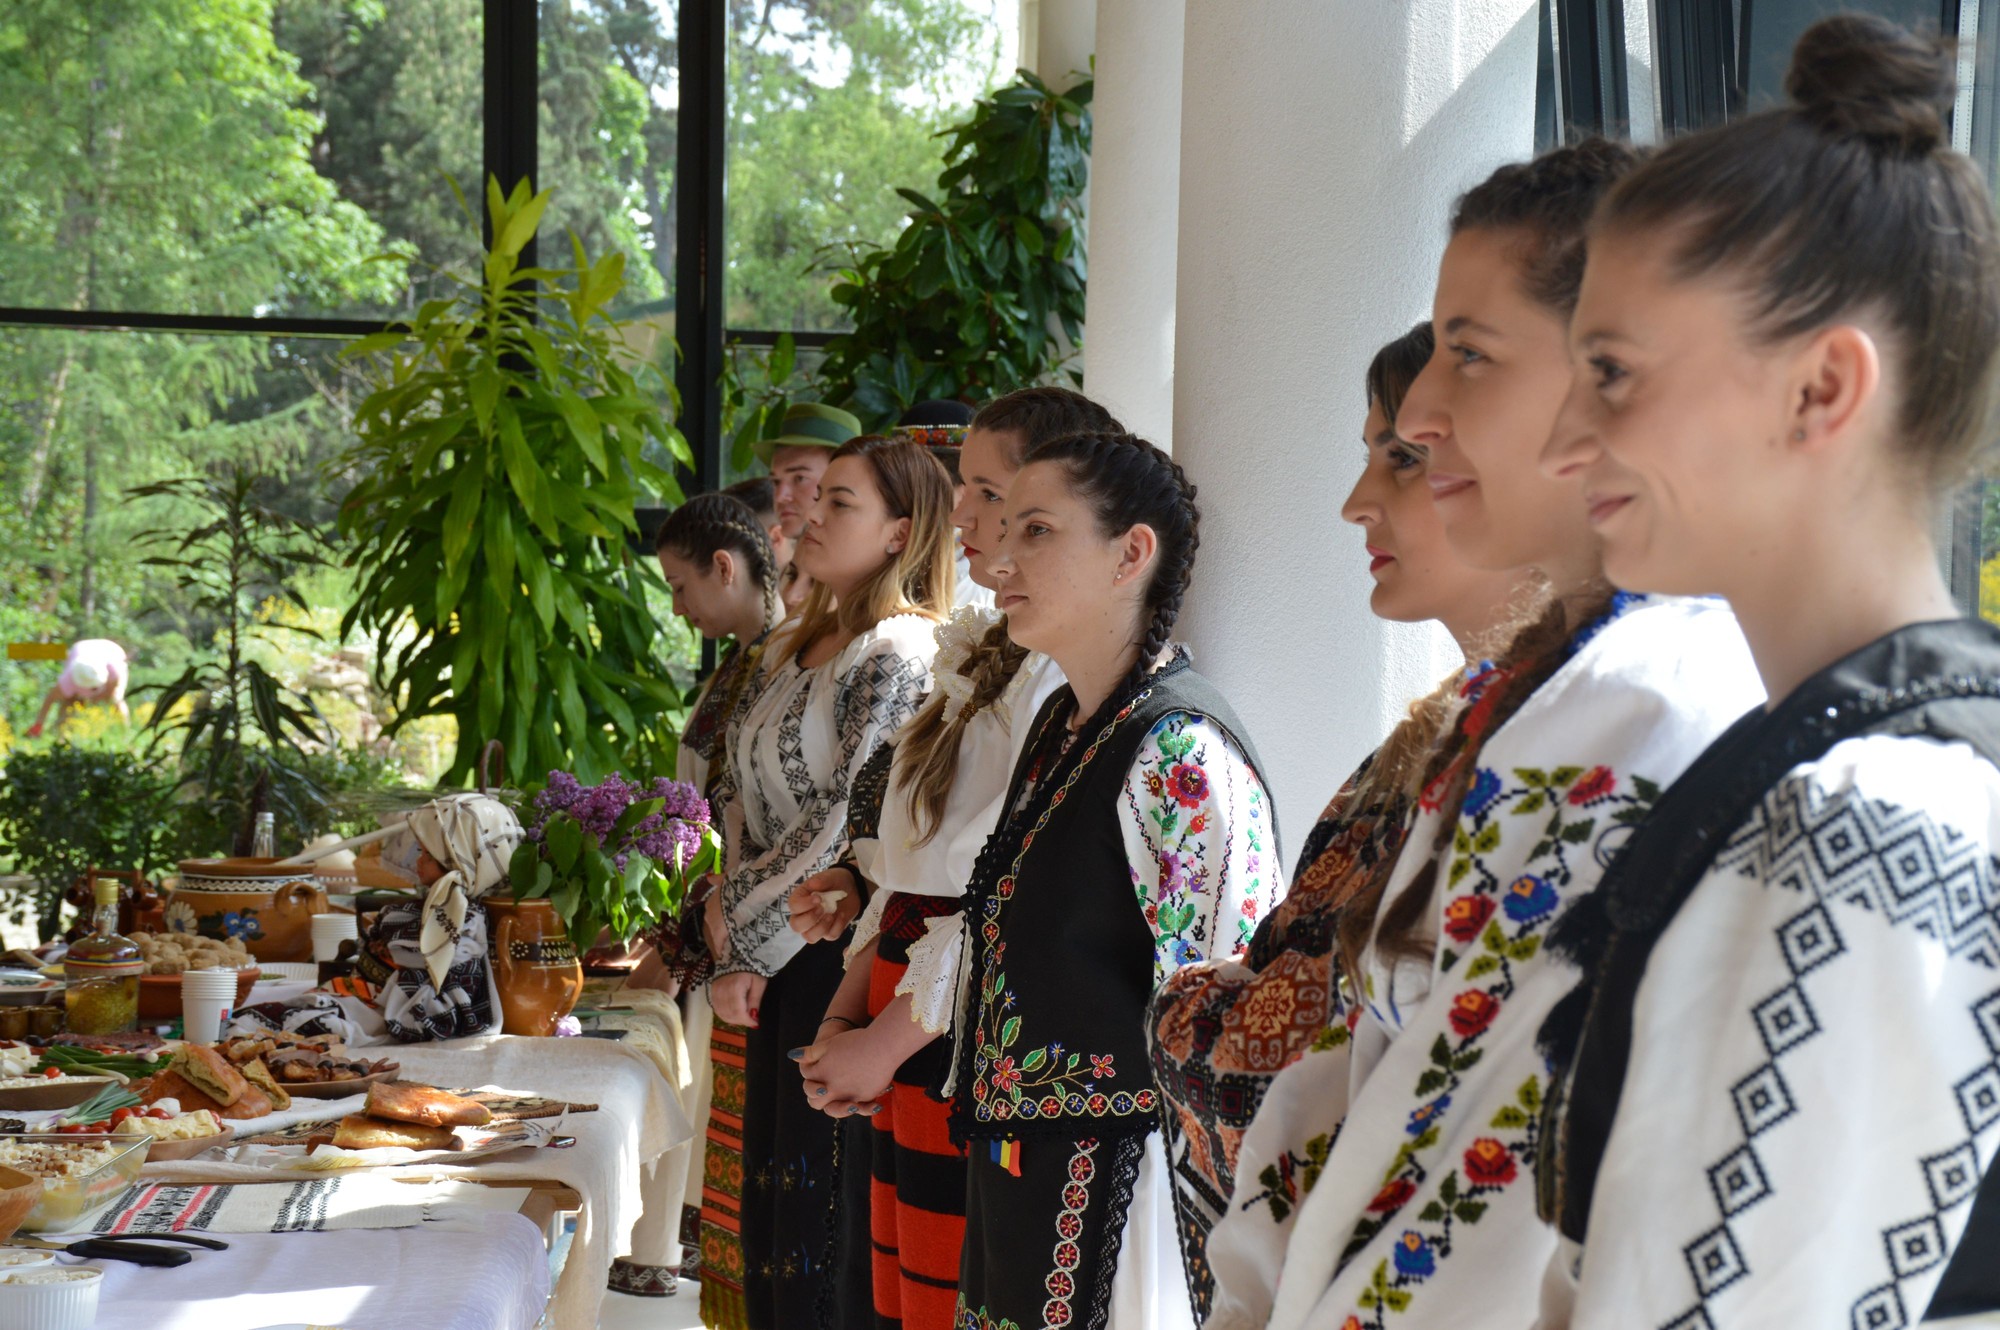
{"points": [[428, 957]]}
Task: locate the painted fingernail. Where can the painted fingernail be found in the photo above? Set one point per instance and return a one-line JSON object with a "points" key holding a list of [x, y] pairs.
{"points": [[797, 1055], [754, 1013]]}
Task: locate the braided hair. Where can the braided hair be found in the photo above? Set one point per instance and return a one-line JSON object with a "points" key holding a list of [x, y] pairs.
{"points": [[709, 523], [1128, 482], [927, 751]]}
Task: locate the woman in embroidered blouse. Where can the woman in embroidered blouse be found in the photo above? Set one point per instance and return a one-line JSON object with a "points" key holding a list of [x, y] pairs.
{"points": [[1405, 1204], [1785, 359], [914, 849], [835, 685], [1222, 1029], [1137, 839]]}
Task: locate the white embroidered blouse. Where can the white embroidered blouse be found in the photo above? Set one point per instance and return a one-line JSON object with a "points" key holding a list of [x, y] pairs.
{"points": [[1386, 1180], [899, 858], [1813, 1161], [792, 757]]}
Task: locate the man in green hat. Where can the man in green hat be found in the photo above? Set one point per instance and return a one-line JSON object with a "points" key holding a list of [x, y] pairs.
{"points": [[797, 455]]}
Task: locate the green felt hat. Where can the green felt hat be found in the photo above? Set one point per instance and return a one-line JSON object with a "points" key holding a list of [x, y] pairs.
{"points": [[809, 425]]}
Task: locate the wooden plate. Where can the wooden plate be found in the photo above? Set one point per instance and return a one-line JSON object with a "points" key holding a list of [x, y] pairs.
{"points": [[188, 1149], [338, 1089], [64, 1092]]}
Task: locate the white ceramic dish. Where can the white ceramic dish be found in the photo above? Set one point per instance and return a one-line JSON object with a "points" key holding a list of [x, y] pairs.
{"points": [[21, 988], [57, 1304]]}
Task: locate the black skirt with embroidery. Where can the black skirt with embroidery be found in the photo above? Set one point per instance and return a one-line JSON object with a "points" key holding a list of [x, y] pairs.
{"points": [[1041, 1248]]}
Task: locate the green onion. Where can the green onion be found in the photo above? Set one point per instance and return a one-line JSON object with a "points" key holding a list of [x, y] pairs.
{"points": [[102, 1105]]}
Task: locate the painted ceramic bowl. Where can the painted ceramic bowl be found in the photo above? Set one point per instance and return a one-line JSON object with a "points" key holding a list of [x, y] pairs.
{"points": [[252, 899]]}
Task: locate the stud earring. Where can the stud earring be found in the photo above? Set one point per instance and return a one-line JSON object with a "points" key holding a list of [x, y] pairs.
{"points": [[1798, 436]]}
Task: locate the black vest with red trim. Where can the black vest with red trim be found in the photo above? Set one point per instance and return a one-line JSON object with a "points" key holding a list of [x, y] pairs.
{"points": [[1061, 954]]}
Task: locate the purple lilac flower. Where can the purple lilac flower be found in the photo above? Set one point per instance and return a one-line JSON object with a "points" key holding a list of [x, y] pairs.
{"points": [[677, 827]]}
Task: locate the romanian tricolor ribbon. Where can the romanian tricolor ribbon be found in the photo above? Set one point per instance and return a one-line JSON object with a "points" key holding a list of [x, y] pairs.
{"points": [[1007, 1154]]}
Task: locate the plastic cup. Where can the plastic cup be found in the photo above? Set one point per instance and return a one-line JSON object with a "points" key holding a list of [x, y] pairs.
{"points": [[328, 932], [207, 999]]}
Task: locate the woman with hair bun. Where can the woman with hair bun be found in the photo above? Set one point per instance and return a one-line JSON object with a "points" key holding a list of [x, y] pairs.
{"points": [[715, 553], [1409, 1202], [1137, 839], [1778, 1084]]}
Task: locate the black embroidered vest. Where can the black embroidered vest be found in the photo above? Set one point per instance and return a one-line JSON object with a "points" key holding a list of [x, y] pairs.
{"points": [[1061, 954], [1938, 680]]}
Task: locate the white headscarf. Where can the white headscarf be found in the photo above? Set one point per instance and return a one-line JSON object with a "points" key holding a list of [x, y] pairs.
{"points": [[472, 836]]}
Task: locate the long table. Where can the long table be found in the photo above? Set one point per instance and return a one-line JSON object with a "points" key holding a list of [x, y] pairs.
{"points": [[605, 1175]]}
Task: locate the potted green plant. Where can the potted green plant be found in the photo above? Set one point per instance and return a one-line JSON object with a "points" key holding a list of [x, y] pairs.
{"points": [[968, 300], [507, 438]]}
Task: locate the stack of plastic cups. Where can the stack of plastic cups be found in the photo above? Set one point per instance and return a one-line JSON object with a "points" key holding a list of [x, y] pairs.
{"points": [[328, 932], [207, 999]]}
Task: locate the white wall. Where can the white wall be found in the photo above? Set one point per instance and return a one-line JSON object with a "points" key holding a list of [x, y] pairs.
{"points": [[1322, 144], [1057, 39], [1135, 173]]}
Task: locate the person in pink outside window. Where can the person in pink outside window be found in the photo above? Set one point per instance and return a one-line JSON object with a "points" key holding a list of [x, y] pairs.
{"points": [[94, 671]]}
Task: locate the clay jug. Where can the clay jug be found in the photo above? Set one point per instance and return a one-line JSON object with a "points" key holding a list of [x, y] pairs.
{"points": [[534, 964]]}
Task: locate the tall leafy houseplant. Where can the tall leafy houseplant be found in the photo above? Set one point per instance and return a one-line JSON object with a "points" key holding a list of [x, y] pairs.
{"points": [[965, 303], [242, 741], [502, 448]]}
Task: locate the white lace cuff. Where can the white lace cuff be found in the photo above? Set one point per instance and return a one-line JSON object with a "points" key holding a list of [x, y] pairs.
{"points": [[868, 926], [935, 981]]}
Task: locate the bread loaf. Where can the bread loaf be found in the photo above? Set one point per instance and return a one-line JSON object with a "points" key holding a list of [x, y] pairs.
{"points": [[401, 1101], [358, 1131]]}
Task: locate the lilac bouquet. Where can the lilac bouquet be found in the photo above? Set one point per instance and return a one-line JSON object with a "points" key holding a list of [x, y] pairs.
{"points": [[613, 856]]}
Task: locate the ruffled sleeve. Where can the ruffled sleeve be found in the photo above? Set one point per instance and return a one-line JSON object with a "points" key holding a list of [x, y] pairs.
{"points": [[877, 693]]}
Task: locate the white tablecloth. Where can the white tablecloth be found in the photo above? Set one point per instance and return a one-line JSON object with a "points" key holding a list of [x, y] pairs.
{"points": [[489, 1275], [639, 1119]]}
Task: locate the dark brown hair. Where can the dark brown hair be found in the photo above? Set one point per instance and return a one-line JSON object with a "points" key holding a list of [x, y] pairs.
{"points": [[1848, 202], [1396, 366], [1036, 415], [759, 495], [1548, 203], [706, 525], [927, 752], [1127, 482]]}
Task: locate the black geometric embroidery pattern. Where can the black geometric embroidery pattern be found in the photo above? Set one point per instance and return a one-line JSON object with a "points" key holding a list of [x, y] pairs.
{"points": [[1902, 867], [877, 695]]}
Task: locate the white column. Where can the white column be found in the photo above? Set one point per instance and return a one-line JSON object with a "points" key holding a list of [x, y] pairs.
{"points": [[1135, 172], [1322, 146], [1057, 39]]}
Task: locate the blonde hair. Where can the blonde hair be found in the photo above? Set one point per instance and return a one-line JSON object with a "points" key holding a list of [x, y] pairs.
{"points": [[917, 579]]}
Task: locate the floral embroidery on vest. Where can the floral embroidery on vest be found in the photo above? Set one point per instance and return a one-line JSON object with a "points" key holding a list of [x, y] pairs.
{"points": [[1491, 931], [1046, 1081]]}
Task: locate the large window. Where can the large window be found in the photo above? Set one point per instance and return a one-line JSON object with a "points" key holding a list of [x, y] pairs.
{"points": [[234, 159], [831, 108]]}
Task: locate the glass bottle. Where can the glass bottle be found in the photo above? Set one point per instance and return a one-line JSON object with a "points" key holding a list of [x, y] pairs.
{"points": [[101, 972], [264, 839]]}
